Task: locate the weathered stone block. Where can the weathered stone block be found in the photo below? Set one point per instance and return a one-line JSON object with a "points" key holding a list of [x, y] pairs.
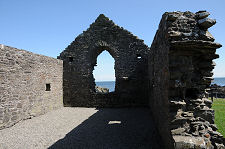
{"points": [[208, 102], [206, 23], [206, 35], [178, 131], [202, 14], [172, 17], [186, 142]]}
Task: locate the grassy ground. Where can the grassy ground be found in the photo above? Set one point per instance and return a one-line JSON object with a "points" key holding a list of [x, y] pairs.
{"points": [[219, 107]]}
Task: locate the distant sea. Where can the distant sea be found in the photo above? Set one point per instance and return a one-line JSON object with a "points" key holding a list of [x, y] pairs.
{"points": [[219, 81], [111, 84], [107, 84]]}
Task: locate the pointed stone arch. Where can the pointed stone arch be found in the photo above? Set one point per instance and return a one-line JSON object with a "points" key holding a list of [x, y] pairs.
{"points": [[100, 61], [131, 64]]}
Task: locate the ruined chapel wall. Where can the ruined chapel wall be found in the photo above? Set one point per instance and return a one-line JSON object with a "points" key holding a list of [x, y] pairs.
{"points": [[130, 72], [23, 79], [159, 83], [190, 51]]}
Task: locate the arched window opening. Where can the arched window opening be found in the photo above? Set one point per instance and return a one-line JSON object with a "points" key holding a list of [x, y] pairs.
{"points": [[104, 73]]}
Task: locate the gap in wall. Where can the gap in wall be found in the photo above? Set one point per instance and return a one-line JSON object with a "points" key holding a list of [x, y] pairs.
{"points": [[104, 72]]}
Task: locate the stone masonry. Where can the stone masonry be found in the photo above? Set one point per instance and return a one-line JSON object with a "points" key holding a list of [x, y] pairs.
{"points": [[180, 67], [25, 79], [171, 77], [130, 54]]}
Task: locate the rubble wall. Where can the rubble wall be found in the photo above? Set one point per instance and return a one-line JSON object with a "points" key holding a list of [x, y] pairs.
{"points": [[130, 55], [30, 85], [159, 83], [191, 51]]}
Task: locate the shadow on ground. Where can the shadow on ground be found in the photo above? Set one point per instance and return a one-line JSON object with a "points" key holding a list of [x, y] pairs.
{"points": [[136, 131]]}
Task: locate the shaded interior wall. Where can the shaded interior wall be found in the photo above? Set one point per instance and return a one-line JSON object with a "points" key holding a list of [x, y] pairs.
{"points": [[23, 79], [159, 83], [189, 51], [80, 58]]}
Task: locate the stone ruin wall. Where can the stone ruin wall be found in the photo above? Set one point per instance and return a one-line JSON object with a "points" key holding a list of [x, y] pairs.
{"points": [[159, 82], [180, 73], [178, 66], [23, 79], [130, 55]]}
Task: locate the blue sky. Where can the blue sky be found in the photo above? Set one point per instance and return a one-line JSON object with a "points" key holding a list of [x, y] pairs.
{"points": [[47, 27]]}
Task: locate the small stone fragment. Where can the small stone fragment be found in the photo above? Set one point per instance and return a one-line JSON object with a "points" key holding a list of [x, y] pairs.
{"points": [[186, 142], [207, 135], [175, 34], [172, 17], [202, 15], [101, 90], [187, 34], [220, 146], [206, 23], [206, 35], [213, 63], [177, 131], [213, 126], [208, 102]]}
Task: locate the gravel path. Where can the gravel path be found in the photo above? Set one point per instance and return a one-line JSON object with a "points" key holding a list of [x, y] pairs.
{"points": [[83, 128]]}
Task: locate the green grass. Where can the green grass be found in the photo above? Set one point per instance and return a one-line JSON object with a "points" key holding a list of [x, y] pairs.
{"points": [[219, 107]]}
